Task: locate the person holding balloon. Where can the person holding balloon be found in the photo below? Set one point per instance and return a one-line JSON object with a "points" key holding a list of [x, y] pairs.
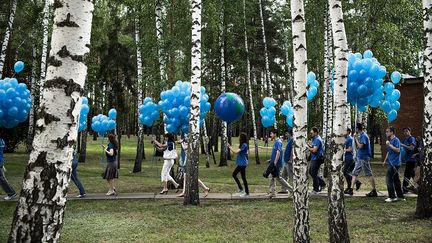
{"points": [[170, 154], [111, 171]]}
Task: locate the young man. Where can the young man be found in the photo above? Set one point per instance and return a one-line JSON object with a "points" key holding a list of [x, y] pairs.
{"points": [[287, 170], [394, 161], [349, 162], [3, 181], [274, 164], [317, 158], [409, 143], [363, 159]]}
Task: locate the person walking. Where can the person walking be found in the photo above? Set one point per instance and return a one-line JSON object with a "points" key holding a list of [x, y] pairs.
{"points": [[409, 144], [74, 176], [287, 170], [393, 160], [349, 163], [363, 160], [7, 188], [241, 164], [170, 154], [317, 159], [111, 171]]}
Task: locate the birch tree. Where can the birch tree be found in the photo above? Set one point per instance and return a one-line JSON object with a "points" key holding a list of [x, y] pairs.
{"points": [[424, 199], [191, 193], [45, 22], [248, 79], [224, 127], [338, 228], [267, 77], [327, 77], [41, 206], [7, 36], [32, 109], [159, 31], [140, 143], [300, 190]]}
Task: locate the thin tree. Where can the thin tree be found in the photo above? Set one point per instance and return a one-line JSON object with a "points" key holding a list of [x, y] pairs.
{"points": [[248, 79], [41, 206], [300, 190], [326, 83], [424, 199], [224, 127], [267, 77], [159, 32], [45, 22], [338, 227], [191, 193], [32, 110], [5, 42]]}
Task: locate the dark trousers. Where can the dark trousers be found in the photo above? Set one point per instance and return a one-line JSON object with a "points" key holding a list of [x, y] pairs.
{"points": [[317, 181], [347, 169], [5, 184], [242, 170], [75, 179], [393, 182], [408, 173]]}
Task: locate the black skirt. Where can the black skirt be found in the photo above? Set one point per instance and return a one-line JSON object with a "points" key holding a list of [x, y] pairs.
{"points": [[111, 171]]}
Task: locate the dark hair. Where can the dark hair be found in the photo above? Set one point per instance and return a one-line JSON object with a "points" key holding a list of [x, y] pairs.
{"points": [[315, 129], [359, 126], [392, 129], [112, 139], [243, 139], [349, 130], [407, 128], [170, 137], [275, 131]]}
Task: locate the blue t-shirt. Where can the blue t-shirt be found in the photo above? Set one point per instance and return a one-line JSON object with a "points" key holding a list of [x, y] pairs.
{"points": [[317, 142], [410, 153], [393, 157], [365, 152], [242, 157], [2, 148], [110, 158], [288, 151], [349, 144], [277, 146]]}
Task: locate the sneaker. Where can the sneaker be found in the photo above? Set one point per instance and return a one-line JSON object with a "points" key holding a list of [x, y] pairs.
{"points": [[240, 192], [244, 195], [349, 191], [282, 192], [389, 200], [402, 199], [81, 195], [372, 193], [10, 197], [313, 192], [110, 193], [358, 185]]}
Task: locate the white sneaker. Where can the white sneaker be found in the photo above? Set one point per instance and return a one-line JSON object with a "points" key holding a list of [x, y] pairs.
{"points": [[239, 193], [390, 200], [110, 193], [244, 195], [10, 197], [402, 199], [81, 195], [313, 192]]}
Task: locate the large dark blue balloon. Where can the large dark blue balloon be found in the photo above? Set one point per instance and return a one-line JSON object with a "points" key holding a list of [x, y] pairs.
{"points": [[229, 107]]}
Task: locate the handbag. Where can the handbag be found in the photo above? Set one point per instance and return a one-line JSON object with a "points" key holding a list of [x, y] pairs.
{"points": [[170, 154]]}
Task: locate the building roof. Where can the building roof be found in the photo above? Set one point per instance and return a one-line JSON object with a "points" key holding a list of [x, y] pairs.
{"points": [[408, 79]]}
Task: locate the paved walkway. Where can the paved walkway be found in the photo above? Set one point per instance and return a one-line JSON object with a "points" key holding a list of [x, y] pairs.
{"points": [[212, 196]]}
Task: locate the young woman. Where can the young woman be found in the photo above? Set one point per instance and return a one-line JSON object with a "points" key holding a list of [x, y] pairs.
{"points": [[168, 163], [241, 162], [111, 171]]}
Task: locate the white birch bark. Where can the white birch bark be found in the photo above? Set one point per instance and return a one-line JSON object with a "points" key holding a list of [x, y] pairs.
{"points": [[224, 126], [45, 22], [30, 132], [338, 227], [326, 80], [140, 142], [267, 78], [300, 190], [7, 36], [191, 193], [248, 77], [424, 199], [159, 32], [41, 206]]}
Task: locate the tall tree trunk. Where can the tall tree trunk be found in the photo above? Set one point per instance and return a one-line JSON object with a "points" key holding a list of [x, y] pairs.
{"points": [[338, 227], [424, 199], [83, 151], [140, 143], [267, 77], [300, 194], [327, 77], [41, 206], [30, 132], [45, 22], [248, 79], [224, 126], [159, 32], [5, 42], [191, 193]]}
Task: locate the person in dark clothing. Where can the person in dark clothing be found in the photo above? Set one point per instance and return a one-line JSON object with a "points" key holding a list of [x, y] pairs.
{"points": [[111, 171], [11, 194], [393, 160], [317, 159], [349, 163], [241, 162], [409, 144]]}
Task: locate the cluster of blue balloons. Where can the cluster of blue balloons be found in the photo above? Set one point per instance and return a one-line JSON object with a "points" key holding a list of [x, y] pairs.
{"points": [[268, 112], [288, 111], [312, 86], [390, 104], [15, 102], [148, 112], [175, 104], [102, 124], [83, 114]]}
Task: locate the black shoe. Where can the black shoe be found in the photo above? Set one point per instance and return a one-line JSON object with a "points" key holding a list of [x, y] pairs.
{"points": [[358, 185], [372, 193], [283, 192], [349, 191]]}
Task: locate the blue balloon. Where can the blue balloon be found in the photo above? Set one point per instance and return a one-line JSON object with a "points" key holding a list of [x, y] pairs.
{"points": [[353, 76], [10, 93], [310, 78], [112, 114], [313, 91], [271, 111], [386, 106], [13, 111], [19, 66], [229, 107], [382, 72], [395, 77], [362, 90], [84, 101], [368, 54], [392, 115], [289, 120], [396, 106], [388, 88]]}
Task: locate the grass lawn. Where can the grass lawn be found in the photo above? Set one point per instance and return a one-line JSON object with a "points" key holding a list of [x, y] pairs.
{"points": [[370, 220]]}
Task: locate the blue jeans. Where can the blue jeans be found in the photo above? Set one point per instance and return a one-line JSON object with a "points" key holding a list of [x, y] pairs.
{"points": [[74, 178], [393, 182], [5, 184], [317, 181]]}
